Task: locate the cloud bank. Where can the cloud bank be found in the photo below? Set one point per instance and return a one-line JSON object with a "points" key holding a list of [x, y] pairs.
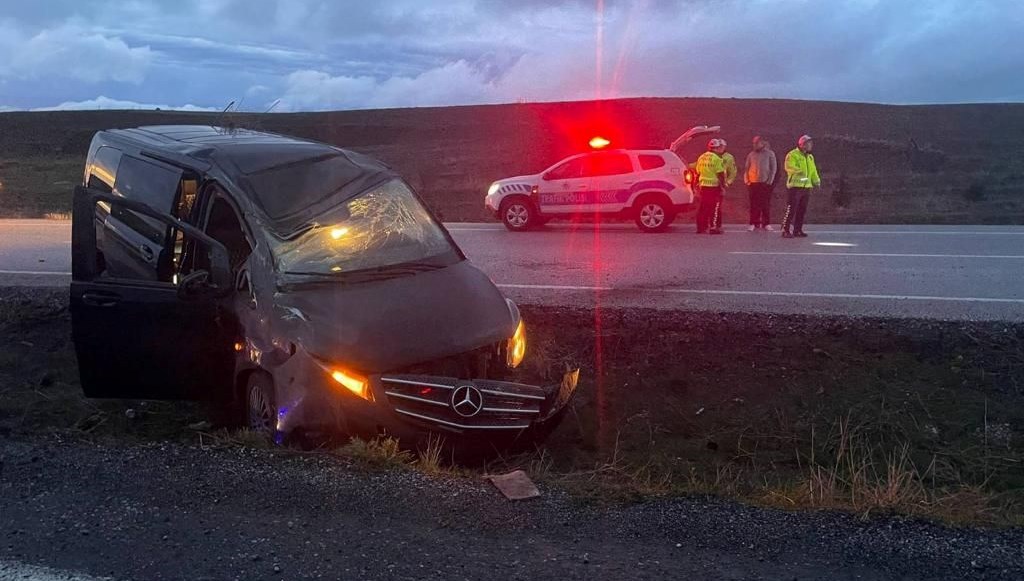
{"points": [[321, 54]]}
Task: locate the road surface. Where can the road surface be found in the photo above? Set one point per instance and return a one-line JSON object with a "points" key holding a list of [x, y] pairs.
{"points": [[78, 511], [940, 272]]}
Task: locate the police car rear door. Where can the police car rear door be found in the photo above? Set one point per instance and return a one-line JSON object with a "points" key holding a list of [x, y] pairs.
{"points": [[612, 178]]}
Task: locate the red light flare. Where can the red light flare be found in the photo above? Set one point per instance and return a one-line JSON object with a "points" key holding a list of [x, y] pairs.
{"points": [[599, 142]]}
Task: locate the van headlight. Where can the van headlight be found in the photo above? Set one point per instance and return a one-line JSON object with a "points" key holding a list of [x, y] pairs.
{"points": [[493, 189], [515, 351]]}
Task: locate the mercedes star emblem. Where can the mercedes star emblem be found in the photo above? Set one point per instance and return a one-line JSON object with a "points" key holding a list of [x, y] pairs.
{"points": [[467, 401]]}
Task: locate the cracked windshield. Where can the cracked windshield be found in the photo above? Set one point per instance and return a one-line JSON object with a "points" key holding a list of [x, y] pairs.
{"points": [[501, 289], [386, 226]]}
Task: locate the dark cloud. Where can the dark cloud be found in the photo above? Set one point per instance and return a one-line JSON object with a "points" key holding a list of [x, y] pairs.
{"points": [[321, 54]]}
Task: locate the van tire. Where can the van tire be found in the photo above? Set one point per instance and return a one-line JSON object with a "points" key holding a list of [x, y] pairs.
{"points": [[518, 214], [653, 213], [258, 405]]}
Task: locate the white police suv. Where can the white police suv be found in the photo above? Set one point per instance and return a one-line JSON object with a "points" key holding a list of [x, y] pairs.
{"points": [[650, 186]]}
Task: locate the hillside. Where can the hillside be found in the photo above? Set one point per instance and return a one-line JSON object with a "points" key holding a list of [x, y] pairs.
{"points": [[895, 164]]}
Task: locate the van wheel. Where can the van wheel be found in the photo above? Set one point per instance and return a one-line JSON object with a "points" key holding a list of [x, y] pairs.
{"points": [[261, 412], [518, 214], [653, 214]]}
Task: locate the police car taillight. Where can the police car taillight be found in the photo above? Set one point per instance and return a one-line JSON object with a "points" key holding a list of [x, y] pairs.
{"points": [[689, 177]]}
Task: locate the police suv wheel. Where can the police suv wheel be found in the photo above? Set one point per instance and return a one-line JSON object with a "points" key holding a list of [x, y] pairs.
{"points": [[517, 214], [652, 215]]}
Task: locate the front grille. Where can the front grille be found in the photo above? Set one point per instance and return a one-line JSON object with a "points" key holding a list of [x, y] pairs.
{"points": [[496, 405]]}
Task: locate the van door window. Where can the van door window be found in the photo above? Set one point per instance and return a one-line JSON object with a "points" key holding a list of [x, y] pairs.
{"points": [[223, 225], [133, 246], [103, 169], [153, 185]]}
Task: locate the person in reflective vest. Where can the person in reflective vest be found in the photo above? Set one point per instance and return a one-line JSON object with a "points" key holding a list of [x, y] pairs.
{"points": [[731, 171], [801, 178], [712, 176]]}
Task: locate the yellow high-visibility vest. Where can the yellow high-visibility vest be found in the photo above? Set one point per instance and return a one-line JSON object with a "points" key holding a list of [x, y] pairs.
{"points": [[801, 171], [709, 166]]}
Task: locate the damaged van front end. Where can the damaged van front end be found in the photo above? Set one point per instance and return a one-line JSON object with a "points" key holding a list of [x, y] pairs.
{"points": [[378, 324]]}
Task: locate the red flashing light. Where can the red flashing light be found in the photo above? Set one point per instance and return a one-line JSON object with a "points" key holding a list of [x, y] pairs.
{"points": [[599, 142], [690, 177]]}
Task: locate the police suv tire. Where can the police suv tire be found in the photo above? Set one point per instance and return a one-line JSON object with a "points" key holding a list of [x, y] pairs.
{"points": [[518, 214], [653, 213]]}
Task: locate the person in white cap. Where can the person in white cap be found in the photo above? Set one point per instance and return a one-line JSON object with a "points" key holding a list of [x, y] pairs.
{"points": [[801, 178], [759, 176]]}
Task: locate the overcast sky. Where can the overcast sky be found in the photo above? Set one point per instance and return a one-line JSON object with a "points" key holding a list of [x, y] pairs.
{"points": [[342, 54]]}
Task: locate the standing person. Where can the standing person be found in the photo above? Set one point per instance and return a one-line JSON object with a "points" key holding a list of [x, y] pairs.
{"points": [[759, 175], [801, 178], [711, 172], [731, 171]]}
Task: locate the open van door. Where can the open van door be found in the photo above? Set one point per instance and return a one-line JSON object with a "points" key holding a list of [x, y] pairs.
{"points": [[141, 337]]}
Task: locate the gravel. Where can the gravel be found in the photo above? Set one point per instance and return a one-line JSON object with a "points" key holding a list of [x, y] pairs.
{"points": [[172, 511]]}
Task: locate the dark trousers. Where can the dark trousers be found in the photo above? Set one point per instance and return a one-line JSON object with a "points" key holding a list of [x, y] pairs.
{"points": [[760, 204], [709, 214], [796, 208]]}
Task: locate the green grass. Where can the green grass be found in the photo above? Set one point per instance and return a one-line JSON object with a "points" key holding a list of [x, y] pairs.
{"points": [[869, 416]]}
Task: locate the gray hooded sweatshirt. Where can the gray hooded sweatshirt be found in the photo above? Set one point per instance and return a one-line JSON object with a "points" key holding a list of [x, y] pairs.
{"points": [[761, 168]]}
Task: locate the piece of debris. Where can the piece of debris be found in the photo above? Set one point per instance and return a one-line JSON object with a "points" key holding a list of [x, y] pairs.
{"points": [[200, 426], [699, 412], [129, 413], [515, 485]]}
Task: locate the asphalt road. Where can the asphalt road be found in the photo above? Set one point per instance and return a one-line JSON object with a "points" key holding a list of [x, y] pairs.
{"points": [[940, 272]]}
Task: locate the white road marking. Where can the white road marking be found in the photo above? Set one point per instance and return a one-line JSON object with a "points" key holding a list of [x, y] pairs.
{"points": [[766, 293], [880, 254], [555, 287], [34, 223], [12, 571], [846, 296], [35, 272], [928, 232]]}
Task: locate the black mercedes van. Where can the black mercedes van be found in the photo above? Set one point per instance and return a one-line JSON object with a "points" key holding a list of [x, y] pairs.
{"points": [[304, 286]]}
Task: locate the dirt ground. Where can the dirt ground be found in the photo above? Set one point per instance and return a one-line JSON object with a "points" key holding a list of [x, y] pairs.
{"points": [[916, 417], [880, 164]]}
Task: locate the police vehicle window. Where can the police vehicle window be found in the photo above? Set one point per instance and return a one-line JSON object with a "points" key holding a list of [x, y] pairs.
{"points": [[651, 161], [608, 164], [150, 184], [103, 169], [568, 170]]}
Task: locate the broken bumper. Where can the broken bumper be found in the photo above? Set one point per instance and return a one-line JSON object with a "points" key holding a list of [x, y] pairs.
{"points": [[447, 404]]}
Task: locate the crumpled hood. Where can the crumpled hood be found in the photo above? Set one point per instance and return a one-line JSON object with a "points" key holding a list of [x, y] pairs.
{"points": [[380, 326]]}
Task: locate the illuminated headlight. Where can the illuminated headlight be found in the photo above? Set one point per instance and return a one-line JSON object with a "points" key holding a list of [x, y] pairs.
{"points": [[493, 189], [350, 380], [516, 349]]}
